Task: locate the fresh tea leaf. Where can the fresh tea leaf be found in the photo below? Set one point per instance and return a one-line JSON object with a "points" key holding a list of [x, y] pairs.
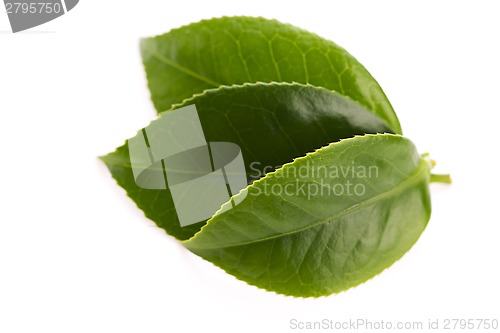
{"points": [[303, 231], [325, 220], [236, 50], [272, 123]]}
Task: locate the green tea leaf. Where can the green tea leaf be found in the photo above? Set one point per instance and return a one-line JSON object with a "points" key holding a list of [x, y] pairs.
{"points": [[332, 201], [236, 50], [304, 233], [272, 123]]}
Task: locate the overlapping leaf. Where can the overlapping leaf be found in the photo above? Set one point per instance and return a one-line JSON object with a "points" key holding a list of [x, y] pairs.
{"points": [[272, 123], [362, 203], [236, 50]]}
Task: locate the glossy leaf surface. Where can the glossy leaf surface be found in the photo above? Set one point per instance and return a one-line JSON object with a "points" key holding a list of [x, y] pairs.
{"points": [[237, 50], [305, 234], [272, 124]]}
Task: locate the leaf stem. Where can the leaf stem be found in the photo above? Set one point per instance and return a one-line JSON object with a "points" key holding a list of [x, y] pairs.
{"points": [[436, 178]]}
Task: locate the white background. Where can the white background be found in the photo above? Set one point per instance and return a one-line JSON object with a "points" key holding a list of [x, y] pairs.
{"points": [[76, 255]]}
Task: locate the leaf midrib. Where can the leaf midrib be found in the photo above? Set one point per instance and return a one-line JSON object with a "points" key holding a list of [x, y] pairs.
{"points": [[184, 69], [414, 178]]}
